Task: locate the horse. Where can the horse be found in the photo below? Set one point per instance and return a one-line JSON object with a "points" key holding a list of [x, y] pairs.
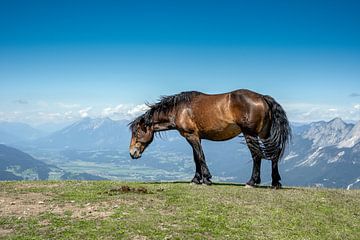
{"points": [[217, 117]]}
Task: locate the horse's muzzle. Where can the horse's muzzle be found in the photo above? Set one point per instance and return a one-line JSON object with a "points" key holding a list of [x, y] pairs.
{"points": [[135, 153]]}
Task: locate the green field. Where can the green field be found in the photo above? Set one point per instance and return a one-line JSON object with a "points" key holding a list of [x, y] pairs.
{"points": [[123, 210]]}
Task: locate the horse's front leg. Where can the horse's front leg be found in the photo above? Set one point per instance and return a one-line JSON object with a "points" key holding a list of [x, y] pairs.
{"points": [[198, 175], [202, 174]]}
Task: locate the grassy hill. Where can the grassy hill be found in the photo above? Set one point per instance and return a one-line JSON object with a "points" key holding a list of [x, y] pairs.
{"points": [[121, 210]]}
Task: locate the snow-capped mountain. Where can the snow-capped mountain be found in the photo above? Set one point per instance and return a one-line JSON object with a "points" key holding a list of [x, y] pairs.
{"points": [[89, 133], [352, 138], [327, 133], [325, 154]]}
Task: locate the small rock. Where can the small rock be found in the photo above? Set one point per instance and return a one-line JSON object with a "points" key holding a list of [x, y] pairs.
{"points": [[12, 203], [41, 202], [72, 201]]}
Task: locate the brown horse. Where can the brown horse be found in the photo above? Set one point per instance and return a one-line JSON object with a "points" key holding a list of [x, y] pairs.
{"points": [[218, 117]]}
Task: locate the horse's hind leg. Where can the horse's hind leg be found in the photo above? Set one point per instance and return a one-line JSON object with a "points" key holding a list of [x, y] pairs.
{"points": [[254, 148], [275, 175]]}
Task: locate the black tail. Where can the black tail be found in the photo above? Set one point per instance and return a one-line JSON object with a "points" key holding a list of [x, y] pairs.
{"points": [[280, 132]]}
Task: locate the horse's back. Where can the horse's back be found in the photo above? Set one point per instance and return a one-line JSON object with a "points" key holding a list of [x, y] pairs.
{"points": [[224, 116], [244, 108]]}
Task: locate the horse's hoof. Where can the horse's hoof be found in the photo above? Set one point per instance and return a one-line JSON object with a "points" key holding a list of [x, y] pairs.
{"points": [[207, 181], [249, 186], [276, 186], [195, 181]]}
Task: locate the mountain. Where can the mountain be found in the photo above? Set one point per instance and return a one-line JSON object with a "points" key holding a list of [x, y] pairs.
{"points": [[88, 133], [11, 132], [18, 165], [324, 154], [327, 133], [6, 138], [352, 138]]}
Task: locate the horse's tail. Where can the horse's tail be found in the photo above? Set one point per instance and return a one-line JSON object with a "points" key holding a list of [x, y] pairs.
{"points": [[280, 131]]}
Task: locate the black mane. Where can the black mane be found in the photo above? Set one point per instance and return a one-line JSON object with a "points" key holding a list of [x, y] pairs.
{"points": [[163, 106]]}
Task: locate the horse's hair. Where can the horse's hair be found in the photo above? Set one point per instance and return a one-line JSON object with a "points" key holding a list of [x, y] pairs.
{"points": [[165, 105]]}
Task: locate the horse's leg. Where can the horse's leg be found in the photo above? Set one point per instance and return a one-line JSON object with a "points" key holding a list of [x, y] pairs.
{"points": [[198, 176], [255, 176], [275, 175], [199, 159]]}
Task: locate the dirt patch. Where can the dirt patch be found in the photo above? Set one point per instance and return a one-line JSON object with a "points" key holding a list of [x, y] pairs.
{"points": [[5, 232], [139, 237], [34, 184], [127, 189], [88, 211], [28, 204], [24, 205]]}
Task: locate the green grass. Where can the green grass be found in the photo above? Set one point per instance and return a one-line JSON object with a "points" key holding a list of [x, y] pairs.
{"points": [[103, 210]]}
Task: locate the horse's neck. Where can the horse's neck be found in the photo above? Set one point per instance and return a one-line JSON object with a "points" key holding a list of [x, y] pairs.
{"points": [[163, 122], [158, 127]]}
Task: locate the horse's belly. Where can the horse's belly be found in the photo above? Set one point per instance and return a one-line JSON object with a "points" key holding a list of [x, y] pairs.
{"points": [[221, 133]]}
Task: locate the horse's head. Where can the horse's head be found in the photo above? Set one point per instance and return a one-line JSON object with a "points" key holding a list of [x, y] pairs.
{"points": [[141, 136]]}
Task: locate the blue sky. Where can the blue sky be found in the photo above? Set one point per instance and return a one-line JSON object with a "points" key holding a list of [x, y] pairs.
{"points": [[60, 60]]}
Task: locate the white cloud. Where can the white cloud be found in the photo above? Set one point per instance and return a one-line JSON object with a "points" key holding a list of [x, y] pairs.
{"points": [[123, 111], [69, 115], [43, 112], [138, 109], [306, 112], [84, 112], [113, 111]]}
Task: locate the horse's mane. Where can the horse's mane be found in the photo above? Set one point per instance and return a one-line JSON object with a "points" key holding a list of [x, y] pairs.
{"points": [[165, 105]]}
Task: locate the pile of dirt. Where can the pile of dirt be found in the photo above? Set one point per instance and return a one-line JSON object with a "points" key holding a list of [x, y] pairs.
{"points": [[127, 189]]}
